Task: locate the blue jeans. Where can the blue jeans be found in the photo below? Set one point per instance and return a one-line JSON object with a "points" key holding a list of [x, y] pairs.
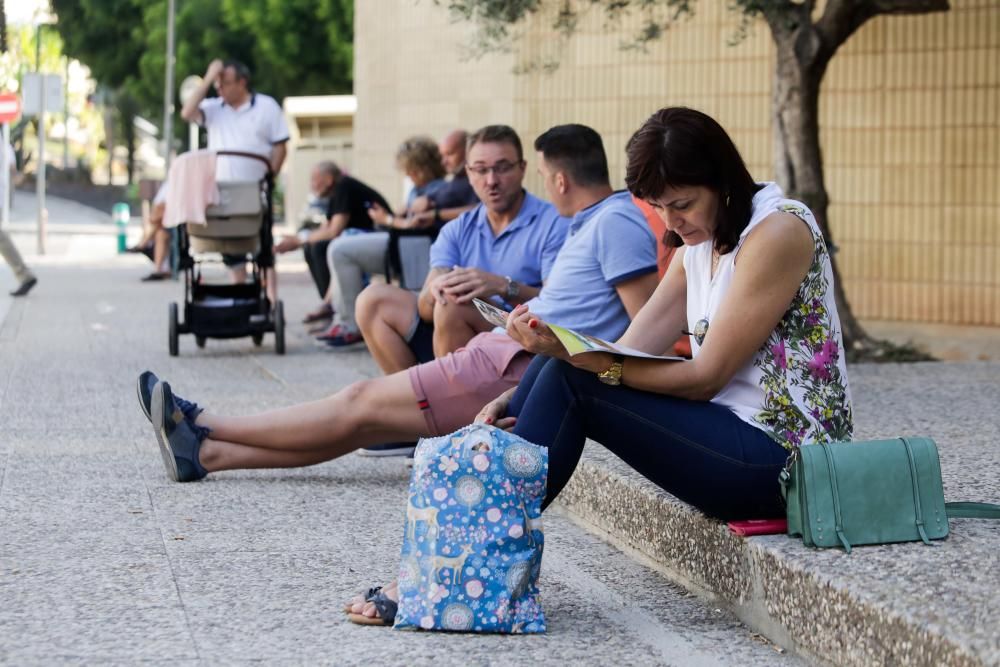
{"points": [[698, 451]]}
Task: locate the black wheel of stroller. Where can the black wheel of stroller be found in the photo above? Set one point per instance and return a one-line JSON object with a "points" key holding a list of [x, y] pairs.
{"points": [[279, 327], [258, 339], [173, 334], [199, 341]]}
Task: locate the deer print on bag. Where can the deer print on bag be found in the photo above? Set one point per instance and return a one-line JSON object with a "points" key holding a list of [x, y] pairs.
{"points": [[453, 563], [530, 524], [426, 514]]}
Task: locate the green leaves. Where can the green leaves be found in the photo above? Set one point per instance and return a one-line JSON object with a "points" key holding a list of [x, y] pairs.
{"points": [[293, 47]]}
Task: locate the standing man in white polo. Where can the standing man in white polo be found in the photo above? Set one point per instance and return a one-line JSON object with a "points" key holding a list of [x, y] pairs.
{"points": [[240, 119]]}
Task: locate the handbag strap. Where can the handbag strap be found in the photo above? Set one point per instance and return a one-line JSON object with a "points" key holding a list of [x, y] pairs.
{"points": [[917, 510], [965, 510], [835, 489]]}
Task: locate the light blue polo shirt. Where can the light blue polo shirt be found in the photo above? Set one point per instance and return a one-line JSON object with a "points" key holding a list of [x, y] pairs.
{"points": [[608, 243], [525, 250]]}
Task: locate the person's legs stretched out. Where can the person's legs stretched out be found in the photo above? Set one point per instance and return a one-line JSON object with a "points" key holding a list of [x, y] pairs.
{"points": [[431, 399]]}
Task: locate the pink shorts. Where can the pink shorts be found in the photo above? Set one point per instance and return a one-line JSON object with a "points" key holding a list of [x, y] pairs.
{"points": [[453, 389]]}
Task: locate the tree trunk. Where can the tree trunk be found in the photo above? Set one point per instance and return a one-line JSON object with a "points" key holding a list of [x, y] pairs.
{"points": [[128, 134], [798, 157], [3, 27]]}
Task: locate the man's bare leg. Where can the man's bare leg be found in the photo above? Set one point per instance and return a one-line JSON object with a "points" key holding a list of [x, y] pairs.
{"points": [[385, 315], [455, 325], [365, 413], [161, 251]]}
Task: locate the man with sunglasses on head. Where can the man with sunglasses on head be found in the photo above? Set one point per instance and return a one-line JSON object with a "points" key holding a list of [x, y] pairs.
{"points": [[240, 119], [501, 251]]}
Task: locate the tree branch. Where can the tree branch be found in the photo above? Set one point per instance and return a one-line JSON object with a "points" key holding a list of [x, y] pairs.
{"points": [[841, 18]]}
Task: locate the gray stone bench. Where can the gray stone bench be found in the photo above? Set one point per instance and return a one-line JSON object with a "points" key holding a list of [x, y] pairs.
{"points": [[903, 604]]}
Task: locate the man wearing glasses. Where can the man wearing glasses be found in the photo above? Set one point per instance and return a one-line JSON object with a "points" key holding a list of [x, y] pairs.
{"points": [[502, 250]]}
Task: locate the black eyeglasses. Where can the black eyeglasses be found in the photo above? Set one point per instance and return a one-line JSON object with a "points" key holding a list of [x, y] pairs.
{"points": [[700, 331], [501, 168]]}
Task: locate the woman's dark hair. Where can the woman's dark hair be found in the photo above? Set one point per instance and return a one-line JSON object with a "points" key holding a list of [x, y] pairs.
{"points": [[679, 147]]}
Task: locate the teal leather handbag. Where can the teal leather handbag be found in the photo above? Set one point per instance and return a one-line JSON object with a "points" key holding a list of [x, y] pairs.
{"points": [[875, 492]]}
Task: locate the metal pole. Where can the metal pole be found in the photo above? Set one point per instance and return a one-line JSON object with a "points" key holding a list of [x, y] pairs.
{"points": [[5, 207], [168, 127], [43, 214], [168, 90], [66, 119]]}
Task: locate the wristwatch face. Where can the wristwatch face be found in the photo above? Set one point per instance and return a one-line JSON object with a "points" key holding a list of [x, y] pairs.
{"points": [[611, 376], [512, 288]]}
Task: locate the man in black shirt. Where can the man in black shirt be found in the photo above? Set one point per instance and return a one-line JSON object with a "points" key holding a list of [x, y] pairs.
{"points": [[350, 200]]}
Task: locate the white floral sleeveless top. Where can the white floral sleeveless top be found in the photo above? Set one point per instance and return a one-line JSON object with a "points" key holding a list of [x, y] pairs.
{"points": [[795, 387]]}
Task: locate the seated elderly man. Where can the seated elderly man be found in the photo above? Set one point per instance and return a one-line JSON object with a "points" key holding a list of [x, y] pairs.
{"points": [[347, 210], [351, 258], [603, 274]]}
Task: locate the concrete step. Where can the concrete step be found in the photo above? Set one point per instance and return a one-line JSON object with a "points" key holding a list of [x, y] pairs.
{"points": [[905, 604]]}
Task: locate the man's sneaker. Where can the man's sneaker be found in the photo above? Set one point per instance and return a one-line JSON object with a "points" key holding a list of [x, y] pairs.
{"points": [[144, 388], [340, 336], [390, 449], [179, 440], [345, 339], [25, 287]]}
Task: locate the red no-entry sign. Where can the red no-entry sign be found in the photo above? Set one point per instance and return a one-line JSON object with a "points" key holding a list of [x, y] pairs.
{"points": [[10, 107]]}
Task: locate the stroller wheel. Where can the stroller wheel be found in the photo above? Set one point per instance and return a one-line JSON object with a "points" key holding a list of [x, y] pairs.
{"points": [[279, 327], [199, 341], [258, 339], [172, 331]]}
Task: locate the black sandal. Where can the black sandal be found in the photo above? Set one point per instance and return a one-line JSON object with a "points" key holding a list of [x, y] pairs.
{"points": [[368, 595], [385, 607]]}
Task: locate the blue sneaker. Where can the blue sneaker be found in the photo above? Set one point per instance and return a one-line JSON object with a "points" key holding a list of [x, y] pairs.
{"points": [[179, 439], [144, 388]]}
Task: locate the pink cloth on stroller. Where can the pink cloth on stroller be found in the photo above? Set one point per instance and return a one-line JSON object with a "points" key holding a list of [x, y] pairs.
{"points": [[191, 188]]}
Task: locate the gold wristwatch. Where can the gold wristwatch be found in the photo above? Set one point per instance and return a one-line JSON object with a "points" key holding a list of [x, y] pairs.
{"points": [[613, 375]]}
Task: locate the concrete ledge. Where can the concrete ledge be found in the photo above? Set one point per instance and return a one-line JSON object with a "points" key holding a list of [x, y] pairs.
{"points": [[901, 605]]}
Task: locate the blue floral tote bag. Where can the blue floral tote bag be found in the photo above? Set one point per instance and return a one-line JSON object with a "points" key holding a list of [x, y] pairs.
{"points": [[473, 540]]}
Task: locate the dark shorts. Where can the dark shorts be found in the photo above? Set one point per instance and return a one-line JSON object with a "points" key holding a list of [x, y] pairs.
{"points": [[421, 341]]}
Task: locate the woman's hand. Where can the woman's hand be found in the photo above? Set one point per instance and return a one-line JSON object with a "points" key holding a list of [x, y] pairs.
{"points": [[494, 412], [533, 334], [379, 215]]}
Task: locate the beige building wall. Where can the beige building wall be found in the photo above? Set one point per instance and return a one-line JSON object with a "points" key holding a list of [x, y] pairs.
{"points": [[910, 118], [409, 80]]}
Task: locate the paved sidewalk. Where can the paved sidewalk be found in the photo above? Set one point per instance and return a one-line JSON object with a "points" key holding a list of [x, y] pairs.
{"points": [[103, 560]]}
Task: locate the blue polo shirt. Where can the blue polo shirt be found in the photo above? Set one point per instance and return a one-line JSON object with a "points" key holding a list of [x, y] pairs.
{"points": [[525, 250], [608, 243]]}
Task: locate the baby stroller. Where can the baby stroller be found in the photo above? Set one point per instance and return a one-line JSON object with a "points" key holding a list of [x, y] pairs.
{"points": [[240, 224]]}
